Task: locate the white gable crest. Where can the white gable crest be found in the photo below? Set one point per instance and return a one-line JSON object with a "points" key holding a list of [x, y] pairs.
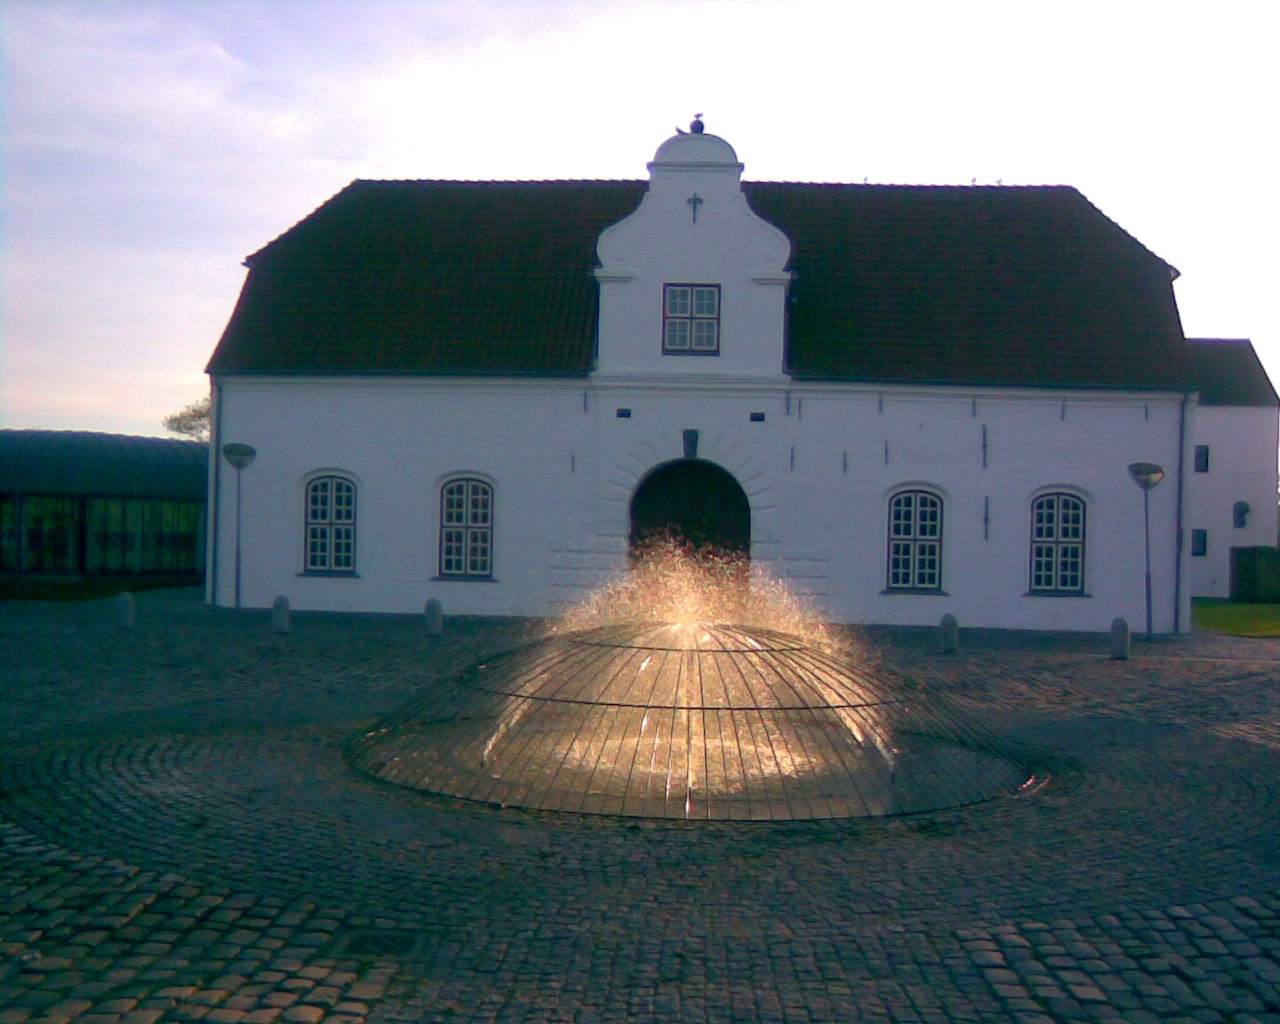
{"points": [[693, 228]]}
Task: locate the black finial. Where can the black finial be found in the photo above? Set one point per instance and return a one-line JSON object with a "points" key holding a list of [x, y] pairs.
{"points": [[697, 126]]}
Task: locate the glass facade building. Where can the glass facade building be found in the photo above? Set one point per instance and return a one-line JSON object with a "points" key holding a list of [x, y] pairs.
{"points": [[82, 503]]}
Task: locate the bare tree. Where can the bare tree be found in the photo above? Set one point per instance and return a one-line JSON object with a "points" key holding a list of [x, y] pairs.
{"points": [[193, 421]]}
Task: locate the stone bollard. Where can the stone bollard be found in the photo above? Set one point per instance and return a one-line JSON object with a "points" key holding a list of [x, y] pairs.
{"points": [[126, 611], [280, 614], [948, 635], [433, 618], [1120, 640]]}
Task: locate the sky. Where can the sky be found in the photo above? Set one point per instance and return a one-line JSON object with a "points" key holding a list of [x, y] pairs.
{"points": [[149, 146]]}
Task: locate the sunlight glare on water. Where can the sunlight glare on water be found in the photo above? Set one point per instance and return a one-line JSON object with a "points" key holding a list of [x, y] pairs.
{"points": [[670, 585], [692, 687]]}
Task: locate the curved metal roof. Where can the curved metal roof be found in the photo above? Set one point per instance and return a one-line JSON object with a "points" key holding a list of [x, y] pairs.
{"points": [[117, 465]]}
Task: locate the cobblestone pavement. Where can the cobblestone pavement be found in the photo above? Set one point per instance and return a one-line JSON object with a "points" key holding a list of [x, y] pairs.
{"points": [[181, 840]]}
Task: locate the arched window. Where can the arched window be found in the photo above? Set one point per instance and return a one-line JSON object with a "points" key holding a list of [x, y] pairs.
{"points": [[915, 541], [331, 525], [1057, 544], [466, 529]]}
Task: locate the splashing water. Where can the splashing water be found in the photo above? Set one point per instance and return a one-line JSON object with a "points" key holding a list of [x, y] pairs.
{"points": [[693, 687], [668, 582]]}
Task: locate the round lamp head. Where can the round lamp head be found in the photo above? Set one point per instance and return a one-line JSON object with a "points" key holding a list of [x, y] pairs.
{"points": [[239, 455], [1146, 474]]}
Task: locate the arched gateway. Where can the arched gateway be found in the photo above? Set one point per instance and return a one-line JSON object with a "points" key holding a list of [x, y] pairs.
{"points": [[696, 503]]}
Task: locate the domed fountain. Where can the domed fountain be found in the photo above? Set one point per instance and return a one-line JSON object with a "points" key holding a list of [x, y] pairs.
{"points": [[692, 718]]}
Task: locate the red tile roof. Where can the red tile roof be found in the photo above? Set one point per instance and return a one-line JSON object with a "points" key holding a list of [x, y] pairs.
{"points": [[1027, 286], [1227, 372]]}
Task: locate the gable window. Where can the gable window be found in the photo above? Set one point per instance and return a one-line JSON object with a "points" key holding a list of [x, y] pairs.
{"points": [[691, 319], [466, 529], [331, 525], [915, 541], [1202, 458], [1057, 544]]}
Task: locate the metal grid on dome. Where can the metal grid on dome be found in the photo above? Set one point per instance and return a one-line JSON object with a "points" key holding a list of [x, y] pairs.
{"points": [[689, 722]]}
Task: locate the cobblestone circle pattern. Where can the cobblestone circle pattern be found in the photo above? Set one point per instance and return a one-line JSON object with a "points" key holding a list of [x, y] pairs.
{"points": [[180, 839]]}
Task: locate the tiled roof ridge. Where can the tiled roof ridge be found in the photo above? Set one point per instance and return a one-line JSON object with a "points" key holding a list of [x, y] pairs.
{"points": [[373, 183], [1174, 271], [368, 183], [749, 184], [496, 181], [990, 186]]}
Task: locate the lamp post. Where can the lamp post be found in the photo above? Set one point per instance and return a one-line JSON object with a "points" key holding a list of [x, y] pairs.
{"points": [[239, 455], [1146, 475]]}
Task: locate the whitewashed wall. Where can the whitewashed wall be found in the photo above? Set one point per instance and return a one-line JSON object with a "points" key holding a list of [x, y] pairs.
{"points": [[662, 243], [1242, 467], [818, 471], [564, 467]]}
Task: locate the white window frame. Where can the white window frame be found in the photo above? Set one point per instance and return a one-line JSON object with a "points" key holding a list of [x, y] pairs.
{"points": [[1058, 543], [691, 319], [466, 529], [915, 541], [330, 531]]}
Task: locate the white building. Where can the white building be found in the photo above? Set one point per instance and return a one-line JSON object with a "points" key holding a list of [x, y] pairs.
{"points": [[905, 400], [1232, 487]]}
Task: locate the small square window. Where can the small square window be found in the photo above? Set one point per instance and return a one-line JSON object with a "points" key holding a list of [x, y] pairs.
{"points": [[1199, 543], [1202, 458], [691, 319]]}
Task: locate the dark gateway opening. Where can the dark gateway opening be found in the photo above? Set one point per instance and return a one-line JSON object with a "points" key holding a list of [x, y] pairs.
{"points": [[694, 503]]}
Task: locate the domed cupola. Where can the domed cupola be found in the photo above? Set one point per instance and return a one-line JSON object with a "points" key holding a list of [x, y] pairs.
{"points": [[695, 150], [692, 251]]}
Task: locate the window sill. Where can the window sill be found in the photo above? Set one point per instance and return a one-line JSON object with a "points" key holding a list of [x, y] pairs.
{"points": [[1056, 593], [689, 352], [464, 579], [918, 591], [349, 574]]}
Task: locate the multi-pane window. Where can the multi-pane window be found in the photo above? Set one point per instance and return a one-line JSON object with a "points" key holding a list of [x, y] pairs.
{"points": [[1057, 544], [331, 525], [51, 533], [466, 529], [76, 533], [691, 319], [141, 535], [915, 541], [10, 531]]}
